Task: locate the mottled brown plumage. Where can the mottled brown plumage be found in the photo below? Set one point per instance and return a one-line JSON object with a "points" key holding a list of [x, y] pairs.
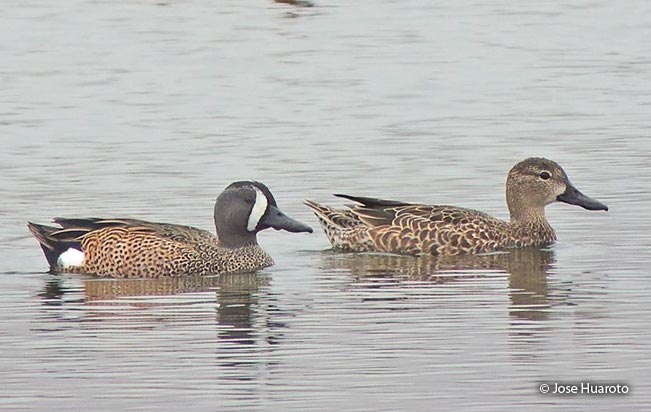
{"points": [[376, 225], [125, 248]]}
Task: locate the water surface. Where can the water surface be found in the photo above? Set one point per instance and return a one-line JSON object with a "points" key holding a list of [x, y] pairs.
{"points": [[149, 109]]}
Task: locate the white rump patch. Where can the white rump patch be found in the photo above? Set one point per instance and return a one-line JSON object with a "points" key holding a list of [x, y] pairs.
{"points": [[259, 208], [71, 258]]}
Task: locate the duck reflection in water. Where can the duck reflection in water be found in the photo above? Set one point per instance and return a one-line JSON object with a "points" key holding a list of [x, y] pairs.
{"points": [[236, 298], [527, 270], [242, 317]]}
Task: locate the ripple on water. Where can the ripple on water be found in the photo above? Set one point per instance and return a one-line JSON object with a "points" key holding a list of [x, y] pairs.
{"points": [[158, 106]]}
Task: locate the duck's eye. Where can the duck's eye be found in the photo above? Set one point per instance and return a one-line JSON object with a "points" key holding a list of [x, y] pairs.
{"points": [[545, 175], [249, 200]]}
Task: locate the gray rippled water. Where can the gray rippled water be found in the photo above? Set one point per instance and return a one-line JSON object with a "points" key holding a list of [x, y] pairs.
{"points": [[149, 109]]}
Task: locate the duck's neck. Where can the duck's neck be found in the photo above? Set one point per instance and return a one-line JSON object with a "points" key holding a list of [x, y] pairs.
{"points": [[235, 240], [527, 215], [531, 226]]}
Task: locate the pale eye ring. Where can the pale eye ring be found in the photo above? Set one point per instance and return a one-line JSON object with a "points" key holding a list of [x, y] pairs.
{"points": [[545, 175]]}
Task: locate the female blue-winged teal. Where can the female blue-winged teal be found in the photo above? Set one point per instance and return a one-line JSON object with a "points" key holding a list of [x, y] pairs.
{"points": [[136, 248], [378, 225]]}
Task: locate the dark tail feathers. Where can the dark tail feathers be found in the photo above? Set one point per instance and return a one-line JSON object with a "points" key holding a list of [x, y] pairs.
{"points": [[372, 202], [54, 241]]}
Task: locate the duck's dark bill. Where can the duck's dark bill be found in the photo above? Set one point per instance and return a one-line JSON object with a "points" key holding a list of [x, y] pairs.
{"points": [[276, 219], [574, 197]]}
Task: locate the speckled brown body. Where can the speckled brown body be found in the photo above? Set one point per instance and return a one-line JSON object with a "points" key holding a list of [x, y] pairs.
{"points": [[424, 230], [376, 225], [123, 248]]}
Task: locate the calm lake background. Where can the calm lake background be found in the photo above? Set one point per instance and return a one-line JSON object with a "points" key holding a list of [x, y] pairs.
{"points": [[148, 109]]}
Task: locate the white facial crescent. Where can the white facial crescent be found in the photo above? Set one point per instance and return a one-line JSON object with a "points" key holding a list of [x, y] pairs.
{"points": [[259, 209]]}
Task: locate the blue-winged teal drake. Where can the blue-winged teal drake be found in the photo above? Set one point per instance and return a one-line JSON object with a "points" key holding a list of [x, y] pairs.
{"points": [[376, 225], [136, 248]]}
